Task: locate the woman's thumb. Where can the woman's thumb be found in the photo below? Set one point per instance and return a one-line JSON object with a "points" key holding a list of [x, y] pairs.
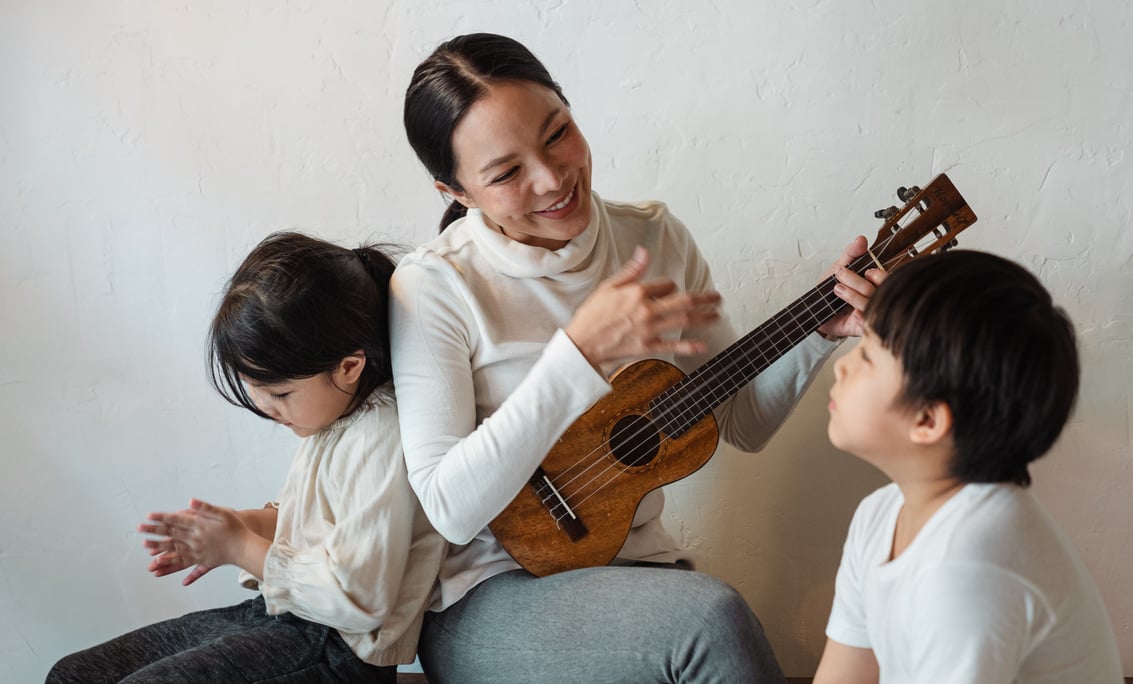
{"points": [[632, 269]]}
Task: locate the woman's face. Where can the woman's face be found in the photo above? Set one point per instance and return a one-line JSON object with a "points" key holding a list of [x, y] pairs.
{"points": [[521, 159]]}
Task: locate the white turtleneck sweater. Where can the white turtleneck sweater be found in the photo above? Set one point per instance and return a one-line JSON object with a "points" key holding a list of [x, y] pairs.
{"points": [[487, 380]]}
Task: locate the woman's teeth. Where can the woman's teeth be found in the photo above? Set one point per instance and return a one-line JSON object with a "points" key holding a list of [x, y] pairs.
{"points": [[562, 204]]}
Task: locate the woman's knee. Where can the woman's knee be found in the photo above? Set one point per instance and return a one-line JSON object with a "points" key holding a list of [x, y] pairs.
{"points": [[725, 610]]}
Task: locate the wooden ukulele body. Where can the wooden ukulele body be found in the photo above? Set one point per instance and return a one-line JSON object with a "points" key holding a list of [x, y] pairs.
{"points": [[602, 486]]}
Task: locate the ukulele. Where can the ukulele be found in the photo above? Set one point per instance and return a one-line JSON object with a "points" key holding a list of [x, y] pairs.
{"points": [[657, 427]]}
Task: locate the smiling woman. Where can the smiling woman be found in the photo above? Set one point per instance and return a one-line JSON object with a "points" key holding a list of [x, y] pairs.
{"points": [[502, 330], [524, 164]]}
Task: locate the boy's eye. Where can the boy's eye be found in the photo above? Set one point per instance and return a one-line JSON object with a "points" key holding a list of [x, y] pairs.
{"points": [[560, 132]]}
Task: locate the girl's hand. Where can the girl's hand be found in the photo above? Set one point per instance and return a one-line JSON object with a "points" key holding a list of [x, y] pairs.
{"points": [[626, 315], [852, 288], [203, 535]]}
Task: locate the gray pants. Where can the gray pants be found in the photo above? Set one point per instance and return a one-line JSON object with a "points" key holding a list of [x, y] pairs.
{"points": [[608, 624], [240, 643]]}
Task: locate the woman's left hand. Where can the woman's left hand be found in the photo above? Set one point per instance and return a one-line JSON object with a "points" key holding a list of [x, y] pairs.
{"points": [[853, 289]]}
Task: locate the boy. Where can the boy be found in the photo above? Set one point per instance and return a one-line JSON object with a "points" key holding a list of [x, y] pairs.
{"points": [[954, 572]]}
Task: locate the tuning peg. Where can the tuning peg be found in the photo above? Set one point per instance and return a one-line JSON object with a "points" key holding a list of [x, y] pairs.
{"points": [[885, 213], [907, 194]]}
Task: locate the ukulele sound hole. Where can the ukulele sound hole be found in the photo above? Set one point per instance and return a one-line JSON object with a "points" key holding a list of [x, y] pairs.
{"points": [[634, 441]]}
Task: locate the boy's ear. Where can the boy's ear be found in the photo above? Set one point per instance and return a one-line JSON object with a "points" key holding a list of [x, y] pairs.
{"points": [[932, 423], [351, 367], [458, 195]]}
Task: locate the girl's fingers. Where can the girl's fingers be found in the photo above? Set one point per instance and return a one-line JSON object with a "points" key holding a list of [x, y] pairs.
{"points": [[197, 573]]}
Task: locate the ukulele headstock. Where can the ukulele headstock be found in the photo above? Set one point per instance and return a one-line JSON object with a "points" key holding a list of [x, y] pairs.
{"points": [[929, 221]]}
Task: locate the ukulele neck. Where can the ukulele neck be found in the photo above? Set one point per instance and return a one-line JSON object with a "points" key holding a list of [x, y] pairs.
{"points": [[688, 401]]}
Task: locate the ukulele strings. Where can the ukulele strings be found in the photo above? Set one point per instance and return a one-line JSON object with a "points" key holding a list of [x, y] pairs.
{"points": [[708, 375], [694, 407], [637, 451]]}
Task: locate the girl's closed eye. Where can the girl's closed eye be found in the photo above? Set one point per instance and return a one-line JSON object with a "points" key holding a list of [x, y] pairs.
{"points": [[280, 395]]}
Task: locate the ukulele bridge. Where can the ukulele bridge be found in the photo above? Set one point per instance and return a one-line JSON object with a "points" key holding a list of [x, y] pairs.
{"points": [[553, 501]]}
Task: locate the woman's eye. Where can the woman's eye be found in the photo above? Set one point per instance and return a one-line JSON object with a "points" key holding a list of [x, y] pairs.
{"points": [[281, 395], [559, 133], [507, 175]]}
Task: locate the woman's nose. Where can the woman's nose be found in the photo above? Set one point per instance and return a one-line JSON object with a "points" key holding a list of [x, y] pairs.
{"points": [[548, 178]]}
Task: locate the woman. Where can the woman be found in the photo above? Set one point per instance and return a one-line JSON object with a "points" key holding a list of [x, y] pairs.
{"points": [[504, 328]]}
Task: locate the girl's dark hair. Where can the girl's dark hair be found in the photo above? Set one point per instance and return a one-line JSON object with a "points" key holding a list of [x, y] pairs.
{"points": [[450, 81], [981, 334], [294, 309]]}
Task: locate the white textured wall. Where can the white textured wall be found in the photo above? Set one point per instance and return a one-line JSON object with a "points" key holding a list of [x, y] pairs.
{"points": [[146, 145]]}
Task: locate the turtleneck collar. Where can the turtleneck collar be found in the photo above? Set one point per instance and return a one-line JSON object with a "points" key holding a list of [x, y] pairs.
{"points": [[515, 259]]}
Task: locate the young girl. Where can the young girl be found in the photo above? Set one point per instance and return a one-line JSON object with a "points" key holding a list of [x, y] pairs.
{"points": [[503, 329], [345, 561]]}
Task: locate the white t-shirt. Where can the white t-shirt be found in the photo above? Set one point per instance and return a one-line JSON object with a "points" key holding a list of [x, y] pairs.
{"points": [[353, 549], [989, 591], [487, 381]]}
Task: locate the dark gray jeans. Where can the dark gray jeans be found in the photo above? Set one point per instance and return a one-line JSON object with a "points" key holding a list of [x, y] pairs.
{"points": [[240, 643], [608, 624]]}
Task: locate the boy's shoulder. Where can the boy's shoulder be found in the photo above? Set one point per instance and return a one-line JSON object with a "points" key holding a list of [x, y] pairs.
{"points": [[874, 509]]}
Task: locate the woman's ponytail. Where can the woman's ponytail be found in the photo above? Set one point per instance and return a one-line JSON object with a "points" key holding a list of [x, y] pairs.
{"points": [[455, 211]]}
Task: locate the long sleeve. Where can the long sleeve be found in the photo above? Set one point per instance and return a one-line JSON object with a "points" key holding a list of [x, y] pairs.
{"points": [[464, 472], [350, 581], [353, 550]]}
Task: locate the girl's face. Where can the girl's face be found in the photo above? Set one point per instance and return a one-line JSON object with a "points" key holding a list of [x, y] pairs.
{"points": [[307, 405], [521, 159]]}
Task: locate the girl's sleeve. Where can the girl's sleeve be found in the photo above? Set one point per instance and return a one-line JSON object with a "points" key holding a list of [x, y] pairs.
{"points": [[749, 418], [466, 473], [352, 580]]}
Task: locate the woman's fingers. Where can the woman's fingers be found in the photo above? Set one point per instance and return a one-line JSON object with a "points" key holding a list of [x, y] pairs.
{"points": [[631, 270]]}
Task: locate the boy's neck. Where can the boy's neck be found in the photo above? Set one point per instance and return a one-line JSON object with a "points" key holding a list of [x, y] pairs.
{"points": [[923, 498]]}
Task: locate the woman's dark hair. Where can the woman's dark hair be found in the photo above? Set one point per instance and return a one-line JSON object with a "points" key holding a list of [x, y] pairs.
{"points": [[294, 309], [981, 334], [450, 81]]}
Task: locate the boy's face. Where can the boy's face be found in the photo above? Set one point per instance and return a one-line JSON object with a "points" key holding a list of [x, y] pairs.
{"points": [[866, 418]]}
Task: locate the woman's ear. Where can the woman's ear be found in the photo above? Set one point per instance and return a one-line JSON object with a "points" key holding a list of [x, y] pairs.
{"points": [[932, 423], [458, 195], [350, 368]]}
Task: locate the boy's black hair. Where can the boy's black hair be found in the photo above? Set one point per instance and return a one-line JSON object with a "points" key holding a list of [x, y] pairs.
{"points": [[295, 308], [981, 334]]}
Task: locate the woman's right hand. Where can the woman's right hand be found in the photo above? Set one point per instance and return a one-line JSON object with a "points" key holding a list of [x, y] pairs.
{"points": [[627, 316]]}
